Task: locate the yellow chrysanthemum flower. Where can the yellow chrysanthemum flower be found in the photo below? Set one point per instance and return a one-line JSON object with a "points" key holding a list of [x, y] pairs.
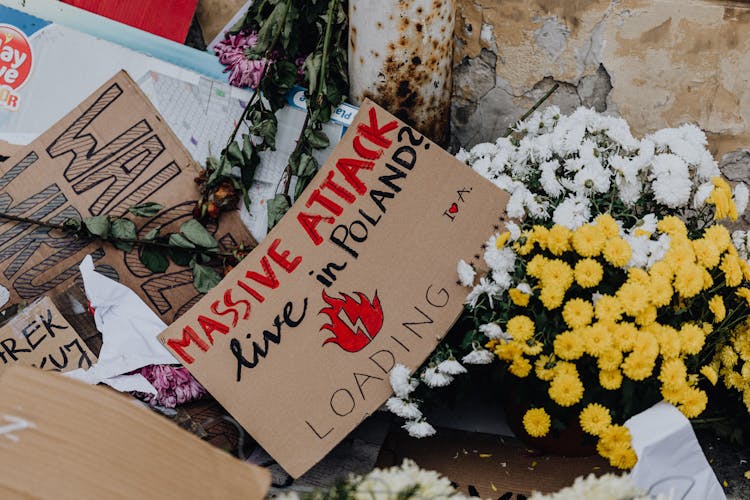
{"points": [[569, 345], [607, 309], [552, 297], [661, 290], [730, 266], [558, 272], [624, 336], [595, 418], [566, 389], [508, 351], [661, 269], [721, 198], [638, 275], [708, 280], [706, 253], [623, 457], [633, 298], [745, 269], [588, 273], [536, 265], [638, 365], [525, 243], [673, 373], [532, 347], [609, 359], [669, 341], [719, 236], [613, 437], [610, 379], [537, 422], [597, 338], [502, 239], [539, 236], [577, 313], [518, 297], [608, 225], [520, 367], [617, 252], [558, 239], [694, 402], [710, 374], [728, 357], [672, 225], [691, 338], [544, 368], [688, 280], [744, 293], [588, 240], [647, 316], [520, 328]]}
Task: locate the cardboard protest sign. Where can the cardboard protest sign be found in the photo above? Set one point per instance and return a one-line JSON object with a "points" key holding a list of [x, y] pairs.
{"points": [[298, 340], [62, 439], [40, 336], [111, 152]]}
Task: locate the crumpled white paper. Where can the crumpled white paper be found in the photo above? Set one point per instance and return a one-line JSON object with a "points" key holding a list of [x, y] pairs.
{"points": [[129, 329], [670, 460], [4, 296]]}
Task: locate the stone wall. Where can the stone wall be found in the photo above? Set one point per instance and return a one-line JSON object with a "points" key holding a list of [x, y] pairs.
{"points": [[655, 62]]}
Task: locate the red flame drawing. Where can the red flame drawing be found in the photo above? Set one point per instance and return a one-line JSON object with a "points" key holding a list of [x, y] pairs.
{"points": [[358, 325]]}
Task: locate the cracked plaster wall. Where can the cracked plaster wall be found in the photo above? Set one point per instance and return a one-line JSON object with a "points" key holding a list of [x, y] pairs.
{"points": [[655, 62]]}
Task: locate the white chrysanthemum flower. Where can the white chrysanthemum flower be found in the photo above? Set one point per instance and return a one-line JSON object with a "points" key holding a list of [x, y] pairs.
{"points": [[478, 357], [462, 155], [647, 223], [573, 212], [418, 428], [484, 149], [493, 332], [502, 279], [401, 381], [639, 246], [672, 190], [514, 230], [702, 194], [434, 378], [501, 260], [466, 273], [605, 487], [740, 195], [618, 130], [483, 166], [451, 367], [741, 241], [396, 482], [524, 288], [404, 409], [548, 178], [515, 206], [657, 250], [595, 297], [592, 178], [485, 286]]}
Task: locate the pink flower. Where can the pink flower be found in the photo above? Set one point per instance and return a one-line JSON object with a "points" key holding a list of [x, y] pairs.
{"points": [[174, 385], [231, 52]]}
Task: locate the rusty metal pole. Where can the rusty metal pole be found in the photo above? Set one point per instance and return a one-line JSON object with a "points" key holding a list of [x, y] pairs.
{"points": [[400, 56]]}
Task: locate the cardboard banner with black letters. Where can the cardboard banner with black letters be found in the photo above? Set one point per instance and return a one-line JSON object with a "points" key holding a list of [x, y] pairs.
{"points": [[111, 152], [298, 340], [40, 336]]}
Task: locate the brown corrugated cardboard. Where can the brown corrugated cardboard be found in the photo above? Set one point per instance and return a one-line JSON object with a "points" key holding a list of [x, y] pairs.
{"points": [[297, 341], [62, 439], [40, 336], [111, 152]]}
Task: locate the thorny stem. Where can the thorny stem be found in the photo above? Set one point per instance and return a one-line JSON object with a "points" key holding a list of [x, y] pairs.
{"points": [[534, 107]]}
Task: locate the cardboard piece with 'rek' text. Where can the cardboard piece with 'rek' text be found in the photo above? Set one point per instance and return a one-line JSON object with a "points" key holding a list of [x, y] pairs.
{"points": [[109, 153], [40, 336], [298, 340], [62, 439]]}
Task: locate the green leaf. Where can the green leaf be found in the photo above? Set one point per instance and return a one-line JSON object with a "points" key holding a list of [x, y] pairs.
{"points": [[307, 167], [179, 257], [204, 278], [98, 225], [147, 209], [234, 154], [316, 138], [277, 207], [123, 229], [178, 240], [195, 232], [72, 224], [153, 234], [154, 260]]}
